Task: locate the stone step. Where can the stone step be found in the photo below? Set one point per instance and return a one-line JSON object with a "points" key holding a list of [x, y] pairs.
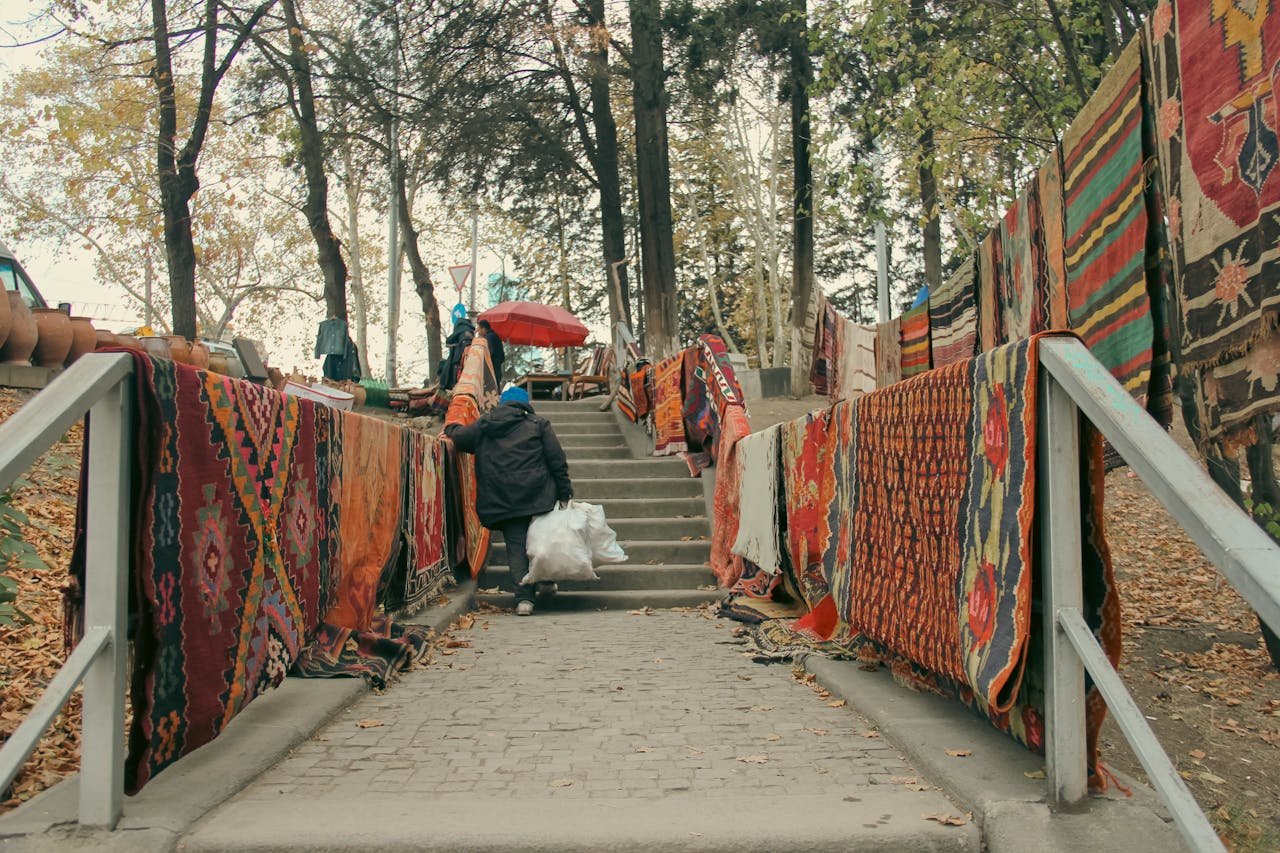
{"points": [[631, 469], [574, 426], [589, 404], [652, 529], [639, 552], [630, 599], [597, 488], [588, 454], [604, 419], [590, 439], [623, 576], [694, 507]]}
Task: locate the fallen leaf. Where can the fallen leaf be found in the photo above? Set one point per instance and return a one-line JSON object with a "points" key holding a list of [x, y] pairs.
{"points": [[773, 737], [947, 819], [839, 703], [760, 708], [818, 732], [561, 783], [852, 799], [369, 724], [1034, 774], [693, 750], [1197, 754], [643, 611], [1212, 779], [696, 834], [753, 759], [644, 749], [465, 621], [959, 753], [742, 677], [871, 734]]}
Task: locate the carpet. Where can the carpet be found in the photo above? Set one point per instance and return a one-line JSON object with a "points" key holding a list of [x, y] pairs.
{"points": [[916, 353], [888, 352], [421, 571], [990, 314], [696, 410], [475, 393], [1210, 72], [372, 495], [725, 501], [953, 316], [640, 382], [1054, 235], [809, 486], [1022, 279], [822, 370], [668, 400], [1106, 228], [231, 562], [377, 654], [758, 533], [856, 359]]}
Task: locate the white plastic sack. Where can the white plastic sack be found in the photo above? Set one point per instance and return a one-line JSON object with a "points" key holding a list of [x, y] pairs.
{"points": [[558, 548], [600, 536]]}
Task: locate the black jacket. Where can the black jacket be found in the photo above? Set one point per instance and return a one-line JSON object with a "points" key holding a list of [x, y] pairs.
{"points": [[520, 467], [497, 354], [451, 365]]}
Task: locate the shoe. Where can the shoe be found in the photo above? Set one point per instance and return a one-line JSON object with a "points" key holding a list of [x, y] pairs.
{"points": [[547, 588], [524, 608]]}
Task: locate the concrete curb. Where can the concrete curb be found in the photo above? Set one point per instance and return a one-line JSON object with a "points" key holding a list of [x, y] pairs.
{"points": [[1008, 804], [253, 742]]}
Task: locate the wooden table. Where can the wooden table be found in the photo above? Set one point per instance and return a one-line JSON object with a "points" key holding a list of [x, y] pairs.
{"points": [[530, 380]]}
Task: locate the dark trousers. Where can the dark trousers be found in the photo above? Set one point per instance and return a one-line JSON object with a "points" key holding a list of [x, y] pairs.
{"points": [[515, 532]]}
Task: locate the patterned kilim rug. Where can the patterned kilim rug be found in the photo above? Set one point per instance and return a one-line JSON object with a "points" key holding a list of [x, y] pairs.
{"points": [[822, 370], [475, 393], [668, 401], [809, 483], [1106, 220], [373, 465], [1054, 233], [888, 352], [936, 578], [422, 570], [916, 355], [1022, 281], [377, 654], [726, 511], [231, 564], [1210, 70], [990, 314], [953, 316], [855, 350], [696, 409]]}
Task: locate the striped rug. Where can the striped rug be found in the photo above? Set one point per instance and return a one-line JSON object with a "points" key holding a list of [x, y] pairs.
{"points": [[990, 315], [1053, 228], [1106, 221], [953, 316], [915, 341]]}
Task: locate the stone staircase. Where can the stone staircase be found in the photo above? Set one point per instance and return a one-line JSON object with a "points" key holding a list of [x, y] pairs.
{"points": [[655, 507]]}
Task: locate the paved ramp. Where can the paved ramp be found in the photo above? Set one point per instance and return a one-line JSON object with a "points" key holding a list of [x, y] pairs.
{"points": [[589, 731]]}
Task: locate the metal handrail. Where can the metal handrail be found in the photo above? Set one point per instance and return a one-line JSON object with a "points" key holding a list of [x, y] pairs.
{"points": [[99, 385], [1072, 383]]}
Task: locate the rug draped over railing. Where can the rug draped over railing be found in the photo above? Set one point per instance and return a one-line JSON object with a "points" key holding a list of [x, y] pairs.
{"points": [[266, 536]]}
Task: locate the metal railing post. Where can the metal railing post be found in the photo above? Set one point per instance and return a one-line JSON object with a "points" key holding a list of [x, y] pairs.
{"points": [[106, 604], [1058, 474]]}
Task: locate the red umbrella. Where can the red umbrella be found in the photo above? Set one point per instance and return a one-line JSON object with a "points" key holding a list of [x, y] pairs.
{"points": [[535, 324]]}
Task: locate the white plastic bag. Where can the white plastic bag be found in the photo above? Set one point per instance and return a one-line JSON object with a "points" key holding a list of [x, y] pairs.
{"points": [[558, 548], [600, 536]]}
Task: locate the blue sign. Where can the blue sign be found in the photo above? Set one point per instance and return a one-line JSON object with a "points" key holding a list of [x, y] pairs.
{"points": [[459, 312]]}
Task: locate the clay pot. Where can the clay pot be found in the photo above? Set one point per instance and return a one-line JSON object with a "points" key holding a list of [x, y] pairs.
{"points": [[179, 348], [155, 347], [218, 363], [128, 342], [55, 337], [84, 337], [360, 394], [6, 317], [104, 339], [23, 331], [200, 355]]}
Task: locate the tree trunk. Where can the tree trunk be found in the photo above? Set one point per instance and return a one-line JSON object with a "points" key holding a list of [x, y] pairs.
{"points": [[421, 275], [311, 150], [359, 307], [608, 181], [932, 210], [802, 192], [653, 179]]}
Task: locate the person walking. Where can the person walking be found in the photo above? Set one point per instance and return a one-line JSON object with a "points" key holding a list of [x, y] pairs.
{"points": [[457, 342], [496, 353], [521, 471]]}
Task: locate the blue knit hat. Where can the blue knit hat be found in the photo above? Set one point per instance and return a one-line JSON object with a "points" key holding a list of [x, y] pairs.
{"points": [[515, 394]]}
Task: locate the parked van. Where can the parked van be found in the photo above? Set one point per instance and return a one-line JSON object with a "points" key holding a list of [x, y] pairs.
{"points": [[14, 277]]}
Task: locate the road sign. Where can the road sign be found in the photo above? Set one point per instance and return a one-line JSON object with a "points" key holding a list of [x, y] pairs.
{"points": [[460, 274], [459, 311]]}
